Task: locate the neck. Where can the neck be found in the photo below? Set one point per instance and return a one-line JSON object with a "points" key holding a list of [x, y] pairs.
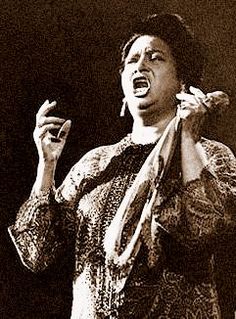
{"points": [[144, 134]]}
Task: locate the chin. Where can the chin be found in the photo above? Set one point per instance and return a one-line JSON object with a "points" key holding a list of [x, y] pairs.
{"points": [[143, 110], [142, 103]]}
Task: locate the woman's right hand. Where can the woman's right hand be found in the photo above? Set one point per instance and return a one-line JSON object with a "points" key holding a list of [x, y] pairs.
{"points": [[50, 146]]}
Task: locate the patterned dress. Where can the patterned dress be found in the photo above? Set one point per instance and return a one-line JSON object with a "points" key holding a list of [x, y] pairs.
{"points": [[172, 279]]}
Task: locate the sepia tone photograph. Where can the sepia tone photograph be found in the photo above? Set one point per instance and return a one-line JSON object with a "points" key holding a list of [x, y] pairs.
{"points": [[118, 167]]}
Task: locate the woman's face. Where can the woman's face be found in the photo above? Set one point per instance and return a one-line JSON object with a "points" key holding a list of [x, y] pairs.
{"points": [[149, 78]]}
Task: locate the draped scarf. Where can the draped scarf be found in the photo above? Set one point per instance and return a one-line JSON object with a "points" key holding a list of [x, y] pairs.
{"points": [[141, 196], [138, 200]]}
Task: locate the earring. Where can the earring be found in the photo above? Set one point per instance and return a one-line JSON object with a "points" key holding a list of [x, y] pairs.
{"points": [[183, 88], [123, 107]]}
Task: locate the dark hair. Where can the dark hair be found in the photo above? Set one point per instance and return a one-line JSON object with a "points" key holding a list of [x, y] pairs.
{"points": [[186, 50]]}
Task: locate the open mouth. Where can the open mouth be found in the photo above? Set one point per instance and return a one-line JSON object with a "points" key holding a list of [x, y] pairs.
{"points": [[141, 86]]}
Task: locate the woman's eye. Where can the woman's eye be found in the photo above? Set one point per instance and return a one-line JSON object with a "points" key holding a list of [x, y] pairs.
{"points": [[131, 60], [155, 56]]}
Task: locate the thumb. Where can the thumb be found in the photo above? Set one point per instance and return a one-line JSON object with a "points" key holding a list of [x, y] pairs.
{"points": [[64, 130]]}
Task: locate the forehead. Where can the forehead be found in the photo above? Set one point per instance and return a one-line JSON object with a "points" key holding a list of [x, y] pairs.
{"points": [[148, 42]]}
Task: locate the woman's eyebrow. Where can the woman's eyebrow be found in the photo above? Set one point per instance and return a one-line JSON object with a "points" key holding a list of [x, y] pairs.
{"points": [[147, 50], [133, 54], [155, 50]]}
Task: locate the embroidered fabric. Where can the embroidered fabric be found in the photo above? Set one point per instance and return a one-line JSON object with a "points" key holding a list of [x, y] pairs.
{"points": [[172, 276], [138, 200]]}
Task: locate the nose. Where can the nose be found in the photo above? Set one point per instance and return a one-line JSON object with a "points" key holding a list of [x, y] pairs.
{"points": [[141, 64]]}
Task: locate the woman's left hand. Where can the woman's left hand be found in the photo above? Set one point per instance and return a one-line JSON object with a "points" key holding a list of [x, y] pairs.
{"points": [[193, 109]]}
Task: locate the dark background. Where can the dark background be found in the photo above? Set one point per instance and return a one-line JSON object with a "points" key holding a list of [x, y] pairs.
{"points": [[69, 51]]}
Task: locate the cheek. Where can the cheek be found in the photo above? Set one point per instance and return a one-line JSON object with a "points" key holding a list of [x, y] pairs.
{"points": [[171, 81], [173, 75]]}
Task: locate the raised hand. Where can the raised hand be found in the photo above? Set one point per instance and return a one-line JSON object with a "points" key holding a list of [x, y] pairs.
{"points": [[194, 106], [48, 143]]}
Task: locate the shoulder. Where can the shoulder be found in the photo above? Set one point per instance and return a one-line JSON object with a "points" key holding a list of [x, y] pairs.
{"points": [[87, 168], [216, 149], [219, 155]]}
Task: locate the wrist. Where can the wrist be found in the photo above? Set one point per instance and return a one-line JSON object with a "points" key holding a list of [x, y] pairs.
{"points": [[188, 140], [46, 170], [192, 131], [45, 176], [47, 163]]}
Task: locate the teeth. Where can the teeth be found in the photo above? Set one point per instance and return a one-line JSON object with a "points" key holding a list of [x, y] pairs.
{"points": [[141, 86], [141, 91]]}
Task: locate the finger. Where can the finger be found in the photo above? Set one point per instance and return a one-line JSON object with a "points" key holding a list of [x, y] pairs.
{"points": [[183, 114], [193, 108], [45, 103], [199, 96], [46, 108], [51, 139], [185, 104], [197, 92], [64, 131], [42, 107], [186, 97], [50, 120], [48, 127]]}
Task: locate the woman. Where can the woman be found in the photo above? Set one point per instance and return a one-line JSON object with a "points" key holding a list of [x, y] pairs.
{"points": [[147, 212]]}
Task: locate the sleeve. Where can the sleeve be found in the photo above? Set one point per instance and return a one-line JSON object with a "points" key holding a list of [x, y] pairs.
{"points": [[42, 229], [46, 224], [203, 211]]}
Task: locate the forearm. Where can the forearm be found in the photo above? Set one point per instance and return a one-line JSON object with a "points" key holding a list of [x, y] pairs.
{"points": [[193, 158], [198, 215], [207, 200], [45, 177]]}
